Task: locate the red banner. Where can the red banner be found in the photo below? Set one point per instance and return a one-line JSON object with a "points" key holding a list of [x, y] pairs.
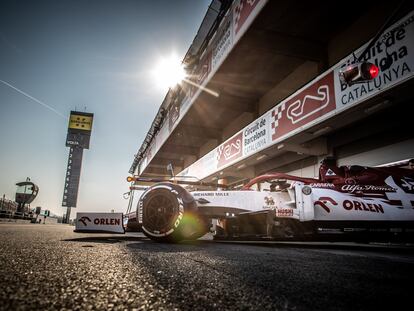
{"points": [[310, 104], [242, 12], [230, 150]]}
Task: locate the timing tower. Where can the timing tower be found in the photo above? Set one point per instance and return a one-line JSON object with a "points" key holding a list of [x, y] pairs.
{"points": [[77, 139]]}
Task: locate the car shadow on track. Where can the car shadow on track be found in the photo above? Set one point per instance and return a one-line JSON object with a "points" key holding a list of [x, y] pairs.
{"points": [[106, 239], [162, 247], [347, 246]]}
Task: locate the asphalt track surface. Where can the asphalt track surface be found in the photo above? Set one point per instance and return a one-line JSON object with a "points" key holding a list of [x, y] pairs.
{"points": [[49, 267]]}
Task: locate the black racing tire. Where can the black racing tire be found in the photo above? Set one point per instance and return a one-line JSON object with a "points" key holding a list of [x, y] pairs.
{"points": [[164, 210]]}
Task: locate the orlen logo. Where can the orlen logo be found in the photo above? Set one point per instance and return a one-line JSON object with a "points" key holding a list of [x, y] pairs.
{"points": [[107, 221], [322, 202], [83, 220]]}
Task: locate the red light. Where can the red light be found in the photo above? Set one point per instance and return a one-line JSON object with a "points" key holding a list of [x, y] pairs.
{"points": [[373, 71], [358, 73]]}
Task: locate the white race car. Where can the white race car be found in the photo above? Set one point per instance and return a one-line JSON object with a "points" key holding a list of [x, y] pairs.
{"points": [[345, 203]]}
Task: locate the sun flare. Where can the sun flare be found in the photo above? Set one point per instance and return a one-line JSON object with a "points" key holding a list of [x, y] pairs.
{"points": [[169, 71]]}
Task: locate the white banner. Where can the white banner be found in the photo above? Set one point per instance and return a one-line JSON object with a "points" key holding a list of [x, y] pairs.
{"points": [[203, 167], [256, 135], [223, 42], [99, 222], [393, 53]]}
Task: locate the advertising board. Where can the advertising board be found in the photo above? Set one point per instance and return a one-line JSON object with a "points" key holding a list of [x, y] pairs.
{"points": [[99, 222]]}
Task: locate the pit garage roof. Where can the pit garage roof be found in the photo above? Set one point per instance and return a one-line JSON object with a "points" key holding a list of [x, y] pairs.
{"points": [[283, 47]]}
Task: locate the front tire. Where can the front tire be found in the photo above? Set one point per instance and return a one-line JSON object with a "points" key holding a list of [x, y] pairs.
{"points": [[168, 213]]}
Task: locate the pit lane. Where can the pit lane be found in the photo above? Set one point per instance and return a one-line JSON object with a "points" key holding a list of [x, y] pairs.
{"points": [[50, 267]]}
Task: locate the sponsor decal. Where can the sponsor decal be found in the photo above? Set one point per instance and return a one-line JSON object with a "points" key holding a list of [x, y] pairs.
{"points": [[394, 192], [323, 201], [322, 185], [408, 184], [181, 211], [284, 212], [140, 210], [310, 104], [84, 220], [330, 173], [269, 201], [106, 221], [349, 205], [71, 142], [402, 195], [361, 206], [211, 194], [230, 150], [366, 188]]}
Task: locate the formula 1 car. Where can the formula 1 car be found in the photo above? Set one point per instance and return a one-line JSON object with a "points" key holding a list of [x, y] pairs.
{"points": [[344, 203]]}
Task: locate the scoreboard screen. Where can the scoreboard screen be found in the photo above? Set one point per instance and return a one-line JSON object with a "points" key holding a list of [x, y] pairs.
{"points": [[79, 121]]}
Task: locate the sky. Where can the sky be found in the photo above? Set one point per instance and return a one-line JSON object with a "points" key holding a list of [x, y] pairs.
{"points": [[94, 56]]}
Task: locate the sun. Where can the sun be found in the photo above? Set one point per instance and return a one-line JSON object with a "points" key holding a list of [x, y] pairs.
{"points": [[168, 72]]}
